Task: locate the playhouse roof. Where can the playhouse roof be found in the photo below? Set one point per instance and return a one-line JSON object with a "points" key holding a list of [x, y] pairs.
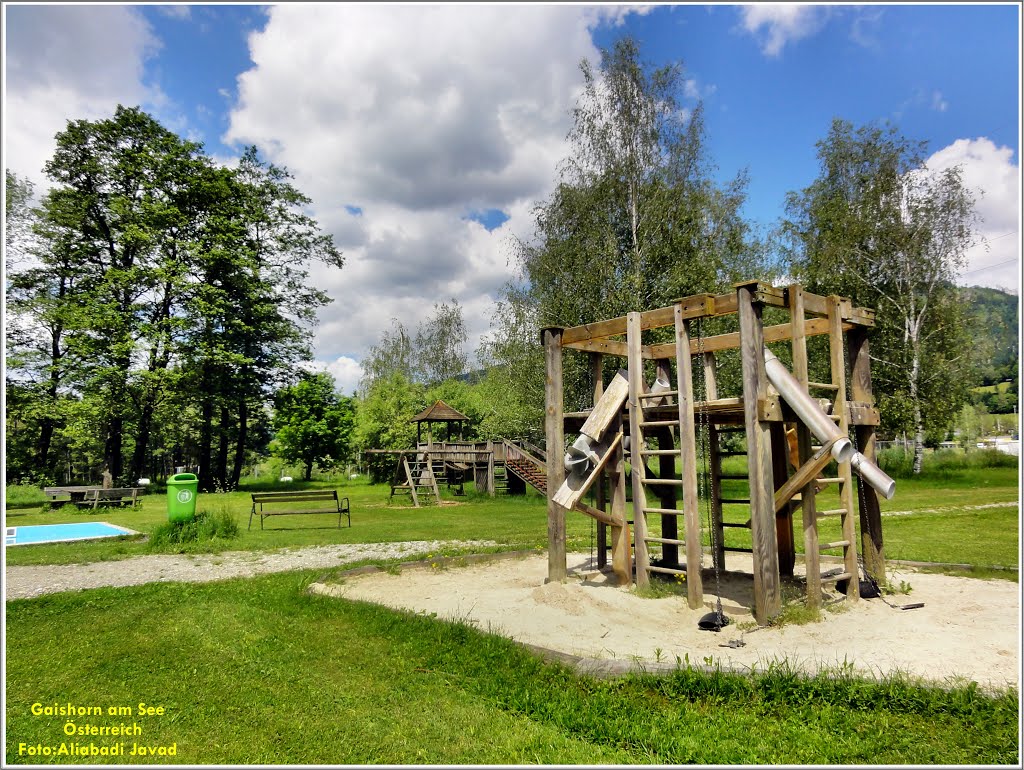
{"points": [[440, 412]]}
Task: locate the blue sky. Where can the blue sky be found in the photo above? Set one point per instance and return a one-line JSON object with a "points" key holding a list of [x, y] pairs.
{"points": [[425, 134]]}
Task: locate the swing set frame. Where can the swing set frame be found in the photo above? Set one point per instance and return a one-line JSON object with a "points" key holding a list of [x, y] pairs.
{"points": [[775, 492]]}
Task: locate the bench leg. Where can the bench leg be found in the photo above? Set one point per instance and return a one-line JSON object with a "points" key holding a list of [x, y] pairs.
{"points": [[250, 518]]}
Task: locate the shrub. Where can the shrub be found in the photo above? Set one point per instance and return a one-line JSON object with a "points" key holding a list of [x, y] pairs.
{"points": [[900, 464]]}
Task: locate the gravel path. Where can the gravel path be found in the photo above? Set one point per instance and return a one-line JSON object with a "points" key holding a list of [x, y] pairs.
{"points": [[23, 582]]}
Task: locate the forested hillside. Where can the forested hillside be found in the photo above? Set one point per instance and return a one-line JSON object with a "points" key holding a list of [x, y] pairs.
{"points": [[994, 321]]}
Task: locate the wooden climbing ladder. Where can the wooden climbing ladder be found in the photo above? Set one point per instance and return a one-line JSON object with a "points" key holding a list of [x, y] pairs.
{"points": [[415, 477], [665, 485]]}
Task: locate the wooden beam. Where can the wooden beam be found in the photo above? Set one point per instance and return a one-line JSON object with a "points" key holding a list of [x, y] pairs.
{"points": [[808, 503], [603, 347], [784, 514], [608, 406], [651, 319], [872, 546], [635, 364], [731, 340], [837, 361], [596, 513], [597, 377], [554, 434], [622, 554], [804, 476], [767, 589]]}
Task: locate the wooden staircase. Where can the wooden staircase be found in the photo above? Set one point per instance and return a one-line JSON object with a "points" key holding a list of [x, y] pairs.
{"points": [[528, 464]]}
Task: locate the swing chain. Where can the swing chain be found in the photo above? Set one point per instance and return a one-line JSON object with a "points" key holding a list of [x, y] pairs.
{"points": [[705, 448]]}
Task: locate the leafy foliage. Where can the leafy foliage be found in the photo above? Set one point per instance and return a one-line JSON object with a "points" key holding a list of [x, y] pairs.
{"points": [[165, 299], [313, 424], [881, 228], [635, 221]]}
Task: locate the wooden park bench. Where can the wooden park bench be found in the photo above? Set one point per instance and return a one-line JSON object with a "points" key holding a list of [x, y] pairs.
{"points": [[94, 498], [266, 504]]}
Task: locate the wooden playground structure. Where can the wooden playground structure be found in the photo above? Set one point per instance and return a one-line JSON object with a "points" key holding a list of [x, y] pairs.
{"points": [[668, 420], [494, 466]]}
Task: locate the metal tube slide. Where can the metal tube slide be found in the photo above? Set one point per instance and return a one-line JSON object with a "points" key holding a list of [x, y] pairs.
{"points": [[823, 428], [873, 475], [806, 409]]}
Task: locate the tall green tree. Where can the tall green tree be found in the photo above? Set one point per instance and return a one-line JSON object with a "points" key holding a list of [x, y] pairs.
{"points": [[636, 219], [391, 354], [116, 216], [439, 346], [383, 420], [880, 227], [253, 307], [158, 281], [312, 423]]}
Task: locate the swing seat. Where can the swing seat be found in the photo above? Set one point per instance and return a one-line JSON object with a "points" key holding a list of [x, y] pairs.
{"points": [[713, 621], [868, 588]]}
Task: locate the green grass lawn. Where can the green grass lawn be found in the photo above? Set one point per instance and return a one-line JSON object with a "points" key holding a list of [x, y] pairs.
{"points": [[939, 518], [514, 522], [944, 525], [257, 671]]}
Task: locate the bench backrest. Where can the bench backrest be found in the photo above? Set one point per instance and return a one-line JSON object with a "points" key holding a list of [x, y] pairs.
{"points": [[286, 497]]}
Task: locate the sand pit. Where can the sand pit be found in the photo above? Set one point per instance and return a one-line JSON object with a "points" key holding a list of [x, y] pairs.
{"points": [[968, 629]]}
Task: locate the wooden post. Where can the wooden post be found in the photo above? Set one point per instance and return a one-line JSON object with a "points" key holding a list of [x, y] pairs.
{"points": [[784, 516], [490, 467], [600, 502], [554, 434], [837, 360], [667, 470], [767, 591], [635, 364], [688, 457], [870, 510], [622, 558], [808, 504]]}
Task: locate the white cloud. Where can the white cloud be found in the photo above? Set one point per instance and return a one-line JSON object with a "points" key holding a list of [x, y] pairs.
{"points": [[68, 63], [414, 114], [346, 372], [993, 178], [776, 25]]}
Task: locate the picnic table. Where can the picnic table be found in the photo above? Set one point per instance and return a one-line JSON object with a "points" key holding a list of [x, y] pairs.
{"points": [[92, 496], [61, 495]]}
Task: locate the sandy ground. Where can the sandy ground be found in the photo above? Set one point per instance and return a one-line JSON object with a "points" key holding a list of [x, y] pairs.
{"points": [[968, 629]]}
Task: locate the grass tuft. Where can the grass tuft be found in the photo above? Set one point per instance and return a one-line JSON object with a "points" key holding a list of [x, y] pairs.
{"points": [[204, 528]]}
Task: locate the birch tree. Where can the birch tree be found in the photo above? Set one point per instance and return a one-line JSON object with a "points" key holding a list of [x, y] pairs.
{"points": [[880, 227]]}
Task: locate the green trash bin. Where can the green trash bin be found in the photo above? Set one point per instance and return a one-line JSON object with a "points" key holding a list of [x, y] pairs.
{"points": [[181, 496]]}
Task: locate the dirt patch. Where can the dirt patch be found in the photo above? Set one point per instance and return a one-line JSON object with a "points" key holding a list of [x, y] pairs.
{"points": [[968, 629]]}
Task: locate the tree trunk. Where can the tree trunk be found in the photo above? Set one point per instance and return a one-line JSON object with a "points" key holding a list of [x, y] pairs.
{"points": [[915, 373], [243, 431], [138, 465], [112, 456], [309, 470], [205, 439], [221, 470]]}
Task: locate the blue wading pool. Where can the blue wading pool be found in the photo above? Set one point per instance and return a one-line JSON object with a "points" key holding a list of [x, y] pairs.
{"points": [[63, 533]]}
